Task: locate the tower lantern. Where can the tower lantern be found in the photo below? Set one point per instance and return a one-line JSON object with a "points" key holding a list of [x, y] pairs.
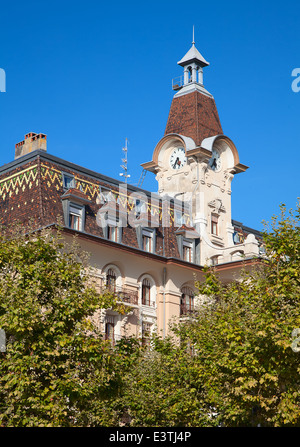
{"points": [[193, 63]]}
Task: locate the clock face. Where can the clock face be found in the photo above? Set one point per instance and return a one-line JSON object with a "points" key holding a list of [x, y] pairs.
{"points": [[178, 158], [215, 161]]}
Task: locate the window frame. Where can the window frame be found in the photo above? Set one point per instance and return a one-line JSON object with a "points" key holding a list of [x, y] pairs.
{"points": [[214, 224], [109, 329], [146, 292], [80, 214], [66, 175], [148, 237], [114, 233], [140, 207], [187, 244], [187, 297], [111, 274]]}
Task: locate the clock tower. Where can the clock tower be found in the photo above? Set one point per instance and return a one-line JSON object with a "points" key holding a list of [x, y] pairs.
{"points": [[195, 161]]}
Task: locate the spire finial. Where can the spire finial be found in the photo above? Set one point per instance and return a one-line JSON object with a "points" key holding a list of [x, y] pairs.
{"points": [[193, 35]]}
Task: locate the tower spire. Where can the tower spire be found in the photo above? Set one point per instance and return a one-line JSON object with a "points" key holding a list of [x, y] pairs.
{"points": [[193, 43]]}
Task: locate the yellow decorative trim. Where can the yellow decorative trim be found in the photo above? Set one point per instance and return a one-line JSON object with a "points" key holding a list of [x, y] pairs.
{"points": [[16, 182]]}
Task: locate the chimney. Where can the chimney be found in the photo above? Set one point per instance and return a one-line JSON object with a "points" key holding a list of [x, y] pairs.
{"points": [[32, 142]]}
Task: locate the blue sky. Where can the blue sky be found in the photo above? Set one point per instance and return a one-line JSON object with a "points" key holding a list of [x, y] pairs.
{"points": [[90, 74]]}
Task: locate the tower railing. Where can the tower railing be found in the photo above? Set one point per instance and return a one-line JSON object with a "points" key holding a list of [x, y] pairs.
{"points": [[177, 83]]}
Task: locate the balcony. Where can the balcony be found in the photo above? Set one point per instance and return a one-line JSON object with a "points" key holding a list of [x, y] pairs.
{"points": [[122, 294], [186, 311]]}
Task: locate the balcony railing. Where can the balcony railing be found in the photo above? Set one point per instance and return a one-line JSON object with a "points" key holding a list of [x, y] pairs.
{"points": [[186, 311], [122, 294]]}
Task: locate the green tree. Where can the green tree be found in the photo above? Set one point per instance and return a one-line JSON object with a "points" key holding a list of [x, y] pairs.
{"points": [[232, 364], [163, 388], [242, 335], [57, 369]]}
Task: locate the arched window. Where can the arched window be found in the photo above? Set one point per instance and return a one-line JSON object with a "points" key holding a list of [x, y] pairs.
{"points": [[146, 288], [147, 292], [111, 279], [186, 301], [110, 328]]}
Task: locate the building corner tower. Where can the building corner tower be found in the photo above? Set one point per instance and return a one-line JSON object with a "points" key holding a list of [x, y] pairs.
{"points": [[195, 162]]}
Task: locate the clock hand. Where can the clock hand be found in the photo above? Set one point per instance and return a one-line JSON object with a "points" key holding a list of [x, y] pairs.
{"points": [[176, 161]]}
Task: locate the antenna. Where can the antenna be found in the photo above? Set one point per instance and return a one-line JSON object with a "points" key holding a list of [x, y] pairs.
{"points": [[124, 160], [193, 43]]}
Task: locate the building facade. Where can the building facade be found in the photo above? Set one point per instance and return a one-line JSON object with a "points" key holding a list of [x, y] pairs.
{"points": [[147, 248]]}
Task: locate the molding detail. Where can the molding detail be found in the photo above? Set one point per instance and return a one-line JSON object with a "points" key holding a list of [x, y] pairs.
{"points": [[217, 206]]}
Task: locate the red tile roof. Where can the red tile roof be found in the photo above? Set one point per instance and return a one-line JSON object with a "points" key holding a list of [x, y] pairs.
{"points": [[194, 115]]}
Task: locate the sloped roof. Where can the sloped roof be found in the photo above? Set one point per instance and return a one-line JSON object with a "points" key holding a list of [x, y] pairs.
{"points": [[193, 55], [194, 115]]}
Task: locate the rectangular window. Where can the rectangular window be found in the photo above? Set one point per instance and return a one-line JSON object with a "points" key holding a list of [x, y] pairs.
{"points": [[147, 241], [214, 224], [68, 181], [140, 207], [106, 196], [75, 217], [113, 233], [187, 251], [179, 218]]}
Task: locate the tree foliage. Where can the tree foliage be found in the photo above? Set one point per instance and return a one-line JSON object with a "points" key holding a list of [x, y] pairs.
{"points": [[234, 364], [57, 370]]}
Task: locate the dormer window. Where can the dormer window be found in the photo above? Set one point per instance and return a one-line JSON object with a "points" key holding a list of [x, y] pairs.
{"points": [[74, 203], [114, 233], [187, 250], [146, 238], [147, 241], [76, 213], [188, 241]]}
